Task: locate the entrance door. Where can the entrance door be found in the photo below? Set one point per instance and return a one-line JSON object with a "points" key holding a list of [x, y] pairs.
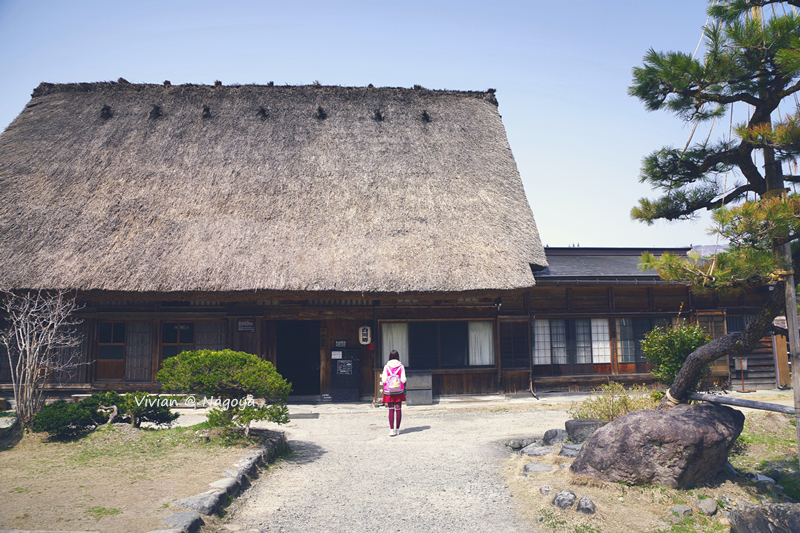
{"points": [[298, 357]]}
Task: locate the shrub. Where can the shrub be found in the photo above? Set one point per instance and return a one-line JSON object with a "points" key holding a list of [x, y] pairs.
{"points": [[61, 419], [233, 380], [144, 407], [667, 350], [613, 401]]}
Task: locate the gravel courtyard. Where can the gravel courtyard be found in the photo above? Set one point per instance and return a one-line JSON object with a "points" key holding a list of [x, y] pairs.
{"points": [[442, 473]]}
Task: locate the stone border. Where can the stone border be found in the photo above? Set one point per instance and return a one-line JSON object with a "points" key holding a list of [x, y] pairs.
{"points": [[232, 483]]}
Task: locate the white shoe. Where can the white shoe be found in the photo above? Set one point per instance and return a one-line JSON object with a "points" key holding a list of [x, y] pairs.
{"points": [[392, 433], [397, 432]]}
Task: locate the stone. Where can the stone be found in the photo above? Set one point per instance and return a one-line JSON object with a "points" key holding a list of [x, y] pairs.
{"points": [[228, 484], [586, 506], [519, 443], [536, 468], [235, 474], [554, 436], [205, 503], [707, 506], [534, 450], [580, 430], [166, 531], [766, 484], [681, 510], [774, 517], [776, 475], [676, 448], [545, 490], [570, 450], [248, 464], [730, 469], [185, 521], [564, 499]]}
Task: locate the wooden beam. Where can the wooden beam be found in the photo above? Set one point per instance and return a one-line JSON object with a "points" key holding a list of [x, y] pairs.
{"points": [[750, 404]]}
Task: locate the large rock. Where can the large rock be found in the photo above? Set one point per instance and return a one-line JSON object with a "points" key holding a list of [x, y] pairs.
{"points": [[580, 429], [775, 518], [675, 448]]}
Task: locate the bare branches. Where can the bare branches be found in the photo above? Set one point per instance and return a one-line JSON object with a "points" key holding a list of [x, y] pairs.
{"points": [[40, 339]]}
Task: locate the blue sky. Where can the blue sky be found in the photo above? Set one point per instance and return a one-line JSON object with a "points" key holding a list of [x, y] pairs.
{"points": [[561, 70]]}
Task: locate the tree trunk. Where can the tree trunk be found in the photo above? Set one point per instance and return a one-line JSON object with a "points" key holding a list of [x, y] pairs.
{"points": [[730, 344]]}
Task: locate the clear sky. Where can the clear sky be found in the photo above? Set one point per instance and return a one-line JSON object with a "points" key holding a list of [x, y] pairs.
{"points": [[561, 70]]}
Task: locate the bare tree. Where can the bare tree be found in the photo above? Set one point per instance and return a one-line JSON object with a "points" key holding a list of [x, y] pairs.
{"points": [[40, 338]]}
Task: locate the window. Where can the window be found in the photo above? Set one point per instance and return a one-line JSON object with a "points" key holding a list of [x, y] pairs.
{"points": [[514, 345], [177, 337], [440, 344], [630, 332], [581, 341], [736, 324], [112, 340]]}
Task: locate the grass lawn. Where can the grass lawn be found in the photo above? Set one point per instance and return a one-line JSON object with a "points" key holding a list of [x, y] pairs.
{"points": [[114, 479]]}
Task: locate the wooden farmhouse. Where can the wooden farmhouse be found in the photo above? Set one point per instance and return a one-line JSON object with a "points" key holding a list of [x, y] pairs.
{"points": [[319, 228]]}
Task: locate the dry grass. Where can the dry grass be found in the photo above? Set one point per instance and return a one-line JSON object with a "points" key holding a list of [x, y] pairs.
{"points": [[116, 480], [767, 443]]}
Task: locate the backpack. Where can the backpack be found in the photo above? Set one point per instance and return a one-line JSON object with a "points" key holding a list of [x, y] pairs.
{"points": [[393, 386]]}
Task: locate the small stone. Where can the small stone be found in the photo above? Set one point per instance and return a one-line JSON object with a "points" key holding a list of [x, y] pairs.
{"points": [[707, 506], [730, 469], [776, 475], [675, 519], [766, 484], [724, 522], [536, 468], [545, 490], [564, 499], [586, 506], [184, 520], [681, 510], [554, 436], [534, 450], [205, 503], [570, 450]]}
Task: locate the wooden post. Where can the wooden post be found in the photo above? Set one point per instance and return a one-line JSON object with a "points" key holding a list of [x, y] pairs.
{"points": [[794, 338]]}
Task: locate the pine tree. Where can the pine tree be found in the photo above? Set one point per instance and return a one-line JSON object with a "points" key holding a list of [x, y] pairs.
{"points": [[752, 57]]}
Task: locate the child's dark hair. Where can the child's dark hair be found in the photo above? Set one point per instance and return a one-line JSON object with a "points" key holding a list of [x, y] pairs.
{"points": [[394, 355]]}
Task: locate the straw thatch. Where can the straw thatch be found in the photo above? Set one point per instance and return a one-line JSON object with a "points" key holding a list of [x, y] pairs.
{"points": [[126, 187]]}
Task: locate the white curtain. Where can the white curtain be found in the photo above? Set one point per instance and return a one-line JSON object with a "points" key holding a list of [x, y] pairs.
{"points": [[481, 343], [395, 337], [541, 342], [601, 341]]}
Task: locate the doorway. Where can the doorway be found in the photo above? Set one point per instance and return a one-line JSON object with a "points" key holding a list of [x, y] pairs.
{"points": [[298, 355]]}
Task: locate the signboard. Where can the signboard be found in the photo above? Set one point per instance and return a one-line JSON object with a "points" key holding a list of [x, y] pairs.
{"points": [[247, 324], [344, 367], [340, 344], [336, 354]]}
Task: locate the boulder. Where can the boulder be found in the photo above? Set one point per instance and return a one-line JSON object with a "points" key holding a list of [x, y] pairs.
{"points": [[564, 499], [674, 448], [554, 436], [775, 518], [580, 430]]}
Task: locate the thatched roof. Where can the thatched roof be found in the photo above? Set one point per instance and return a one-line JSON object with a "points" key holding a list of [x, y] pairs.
{"points": [[126, 187]]}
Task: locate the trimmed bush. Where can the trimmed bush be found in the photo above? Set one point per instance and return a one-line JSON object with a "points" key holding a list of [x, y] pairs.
{"points": [[612, 401], [61, 419], [241, 387]]}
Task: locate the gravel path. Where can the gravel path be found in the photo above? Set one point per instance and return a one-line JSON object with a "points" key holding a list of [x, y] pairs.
{"points": [[441, 474]]}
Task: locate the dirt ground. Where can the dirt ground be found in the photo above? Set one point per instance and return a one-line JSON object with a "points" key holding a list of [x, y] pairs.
{"points": [[115, 480], [123, 480]]}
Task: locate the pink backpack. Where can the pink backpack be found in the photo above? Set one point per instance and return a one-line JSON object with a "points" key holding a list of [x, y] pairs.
{"points": [[393, 385]]}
